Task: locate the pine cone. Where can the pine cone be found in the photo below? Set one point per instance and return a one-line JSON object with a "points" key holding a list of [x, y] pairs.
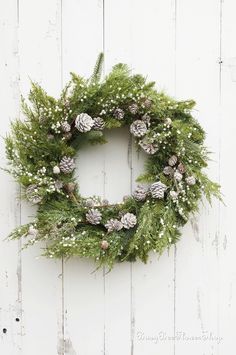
{"points": [[168, 170], [67, 136], [181, 168], [173, 160], [147, 103], [129, 220], [148, 147], [32, 231], [174, 195], [58, 184], [119, 113], [138, 128], [158, 189], [90, 202], [178, 176], [104, 202], [133, 108], [140, 193], [190, 180], [94, 216], [168, 121], [99, 124], [65, 126], [32, 194], [67, 165], [70, 187], [113, 225], [104, 244], [147, 119], [84, 122]]}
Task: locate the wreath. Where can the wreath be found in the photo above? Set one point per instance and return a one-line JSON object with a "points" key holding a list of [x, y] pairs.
{"points": [[41, 151]]}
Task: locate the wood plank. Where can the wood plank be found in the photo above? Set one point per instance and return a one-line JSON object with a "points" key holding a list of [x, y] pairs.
{"points": [[82, 26], [227, 276], [197, 266], [10, 259], [145, 41], [40, 60]]}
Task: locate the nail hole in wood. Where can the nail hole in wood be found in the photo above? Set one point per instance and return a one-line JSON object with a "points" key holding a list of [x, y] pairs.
{"points": [[4, 330], [17, 319]]}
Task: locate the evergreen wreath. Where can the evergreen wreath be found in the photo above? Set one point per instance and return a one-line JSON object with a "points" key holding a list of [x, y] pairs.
{"points": [[42, 149]]}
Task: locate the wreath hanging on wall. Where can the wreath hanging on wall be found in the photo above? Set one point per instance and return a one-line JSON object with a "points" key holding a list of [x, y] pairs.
{"points": [[42, 150]]}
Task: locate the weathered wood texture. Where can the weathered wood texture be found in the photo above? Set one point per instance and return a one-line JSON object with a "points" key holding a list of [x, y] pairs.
{"points": [[56, 307]]}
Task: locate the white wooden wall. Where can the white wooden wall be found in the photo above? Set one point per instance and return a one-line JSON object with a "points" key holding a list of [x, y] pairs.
{"points": [[54, 307]]}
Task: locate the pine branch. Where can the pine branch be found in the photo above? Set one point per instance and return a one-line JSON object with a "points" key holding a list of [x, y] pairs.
{"points": [[97, 69]]}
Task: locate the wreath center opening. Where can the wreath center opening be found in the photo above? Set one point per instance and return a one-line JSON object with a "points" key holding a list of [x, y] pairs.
{"points": [[109, 171]]}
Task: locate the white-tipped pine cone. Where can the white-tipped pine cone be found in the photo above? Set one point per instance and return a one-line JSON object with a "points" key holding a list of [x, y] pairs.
{"points": [[65, 126], [119, 113], [190, 180], [90, 202], [148, 147], [147, 103], [178, 176], [140, 193], [168, 170], [138, 128], [32, 231], [173, 195], [94, 216], [181, 168], [67, 165], [173, 160], [168, 121], [133, 108], [113, 225], [158, 189], [99, 124], [129, 220], [32, 194], [84, 122], [147, 119]]}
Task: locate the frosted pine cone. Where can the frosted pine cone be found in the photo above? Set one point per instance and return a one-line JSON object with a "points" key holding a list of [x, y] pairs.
{"points": [[133, 108], [178, 176], [67, 165], [32, 194], [158, 189], [129, 220], [58, 184], [90, 202], [148, 147], [84, 122], [147, 119], [147, 103], [94, 216], [140, 193], [32, 231], [168, 121], [190, 180], [138, 128], [113, 225], [119, 113], [99, 124], [181, 168], [65, 126], [173, 160], [168, 170], [174, 195]]}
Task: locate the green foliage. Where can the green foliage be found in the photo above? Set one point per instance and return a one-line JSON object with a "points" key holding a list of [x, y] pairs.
{"points": [[36, 146]]}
